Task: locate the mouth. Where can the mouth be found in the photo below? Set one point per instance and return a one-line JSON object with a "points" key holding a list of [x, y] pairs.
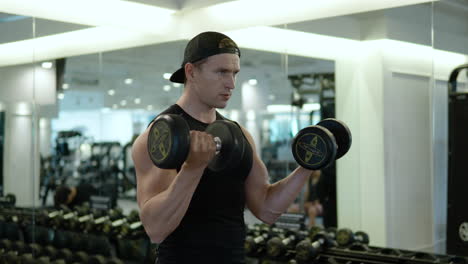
{"points": [[226, 96]]}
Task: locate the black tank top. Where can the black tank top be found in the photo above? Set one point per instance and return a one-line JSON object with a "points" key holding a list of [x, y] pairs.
{"points": [[213, 228]]}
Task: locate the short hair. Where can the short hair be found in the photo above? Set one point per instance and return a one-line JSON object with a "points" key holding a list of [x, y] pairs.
{"points": [[61, 195]]}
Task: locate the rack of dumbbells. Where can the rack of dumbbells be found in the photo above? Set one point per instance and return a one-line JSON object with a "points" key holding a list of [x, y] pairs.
{"points": [[273, 245], [80, 236]]}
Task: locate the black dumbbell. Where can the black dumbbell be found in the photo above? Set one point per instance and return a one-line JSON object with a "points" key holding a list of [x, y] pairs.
{"points": [[346, 237], [308, 249], [330, 231], [278, 246], [169, 143], [65, 254], [114, 261], [8, 200], [316, 147], [97, 259], [80, 257]]}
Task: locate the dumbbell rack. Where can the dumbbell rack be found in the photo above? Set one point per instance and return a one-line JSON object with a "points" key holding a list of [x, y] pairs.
{"points": [[17, 225], [357, 253]]}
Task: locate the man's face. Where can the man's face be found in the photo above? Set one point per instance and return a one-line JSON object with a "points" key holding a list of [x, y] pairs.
{"points": [[215, 79]]}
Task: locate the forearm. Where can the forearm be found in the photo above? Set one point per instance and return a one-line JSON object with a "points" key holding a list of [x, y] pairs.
{"points": [[162, 213], [281, 194]]}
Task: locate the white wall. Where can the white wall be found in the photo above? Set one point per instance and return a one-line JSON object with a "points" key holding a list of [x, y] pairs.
{"points": [[27, 83], [21, 159], [392, 184], [360, 174]]}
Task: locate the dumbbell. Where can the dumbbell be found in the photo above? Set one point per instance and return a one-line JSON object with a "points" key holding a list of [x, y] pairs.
{"points": [[80, 257], [345, 237], [308, 249], [169, 142], [65, 254], [317, 147], [9, 199], [278, 246], [97, 259], [330, 231]]}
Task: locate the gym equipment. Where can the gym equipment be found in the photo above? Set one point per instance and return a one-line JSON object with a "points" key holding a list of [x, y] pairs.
{"points": [[8, 200], [345, 237], [278, 246], [317, 147], [457, 215], [308, 249], [330, 231], [169, 143]]}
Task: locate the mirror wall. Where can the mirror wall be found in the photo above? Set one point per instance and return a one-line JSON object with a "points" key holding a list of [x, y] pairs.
{"points": [[383, 72]]}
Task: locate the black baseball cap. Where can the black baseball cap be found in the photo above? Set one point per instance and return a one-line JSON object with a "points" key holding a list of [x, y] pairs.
{"points": [[202, 46]]}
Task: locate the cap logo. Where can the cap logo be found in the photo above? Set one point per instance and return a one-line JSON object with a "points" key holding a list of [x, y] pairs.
{"points": [[226, 43]]}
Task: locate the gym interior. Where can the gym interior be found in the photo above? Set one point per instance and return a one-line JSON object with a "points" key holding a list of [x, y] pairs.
{"points": [[79, 81]]}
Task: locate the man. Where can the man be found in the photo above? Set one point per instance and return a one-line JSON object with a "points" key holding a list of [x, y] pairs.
{"points": [[73, 196], [194, 213]]}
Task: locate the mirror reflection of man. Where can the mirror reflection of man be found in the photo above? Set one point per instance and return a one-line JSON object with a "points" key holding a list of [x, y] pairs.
{"points": [[73, 196]]}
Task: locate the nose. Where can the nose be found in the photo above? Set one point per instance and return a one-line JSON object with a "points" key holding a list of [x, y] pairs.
{"points": [[230, 81]]}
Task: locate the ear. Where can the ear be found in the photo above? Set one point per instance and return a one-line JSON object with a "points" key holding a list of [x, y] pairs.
{"points": [[189, 71]]}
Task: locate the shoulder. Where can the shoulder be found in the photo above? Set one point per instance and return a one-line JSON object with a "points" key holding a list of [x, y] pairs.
{"points": [[247, 135], [173, 109]]}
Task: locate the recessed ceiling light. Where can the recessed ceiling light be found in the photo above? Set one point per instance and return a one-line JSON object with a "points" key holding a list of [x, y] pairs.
{"points": [[47, 65], [65, 86], [123, 102], [60, 96], [167, 75], [176, 85], [149, 107], [137, 101], [115, 106], [111, 92], [167, 88], [128, 81], [253, 81]]}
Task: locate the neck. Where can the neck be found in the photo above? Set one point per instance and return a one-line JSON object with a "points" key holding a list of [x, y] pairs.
{"points": [[195, 108]]}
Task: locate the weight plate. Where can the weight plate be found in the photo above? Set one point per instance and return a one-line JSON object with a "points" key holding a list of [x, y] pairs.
{"points": [[463, 231], [314, 147], [344, 236], [362, 236], [275, 247], [169, 141], [232, 145], [341, 133]]}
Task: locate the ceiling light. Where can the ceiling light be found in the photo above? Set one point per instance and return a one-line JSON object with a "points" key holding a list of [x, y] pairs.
{"points": [[111, 92], [272, 97], [78, 42], [167, 76], [149, 107], [60, 96], [123, 102], [253, 81], [167, 88], [128, 81], [138, 17], [65, 86], [137, 100], [115, 106], [47, 65], [111, 31], [176, 85]]}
